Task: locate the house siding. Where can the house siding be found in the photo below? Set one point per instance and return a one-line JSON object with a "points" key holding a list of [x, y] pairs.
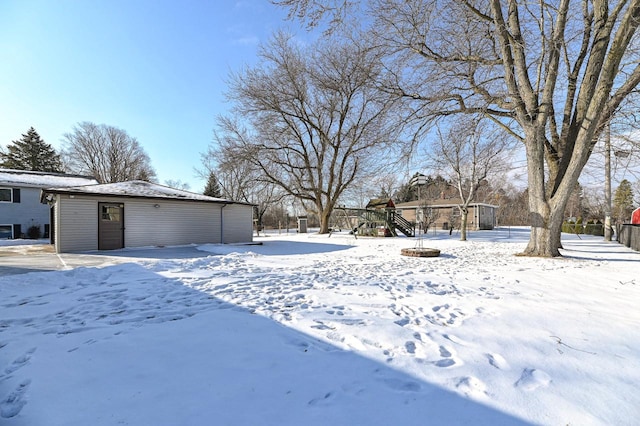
{"points": [[78, 218], [237, 223], [479, 217], [170, 223], [26, 213]]}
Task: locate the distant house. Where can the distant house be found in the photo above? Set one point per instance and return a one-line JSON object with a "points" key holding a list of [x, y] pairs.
{"points": [[139, 214], [447, 213], [20, 207]]}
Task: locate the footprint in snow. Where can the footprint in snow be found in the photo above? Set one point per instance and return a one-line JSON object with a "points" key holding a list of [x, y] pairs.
{"points": [[455, 339], [447, 358], [471, 386], [532, 379], [416, 350], [322, 401], [444, 352], [12, 404], [402, 385], [20, 362], [497, 361]]}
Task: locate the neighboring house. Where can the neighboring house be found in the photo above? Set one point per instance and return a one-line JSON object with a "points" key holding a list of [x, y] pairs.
{"points": [[447, 213], [139, 214], [20, 207]]}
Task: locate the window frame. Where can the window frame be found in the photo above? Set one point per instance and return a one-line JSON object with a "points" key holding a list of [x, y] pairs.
{"points": [[10, 226], [10, 200]]}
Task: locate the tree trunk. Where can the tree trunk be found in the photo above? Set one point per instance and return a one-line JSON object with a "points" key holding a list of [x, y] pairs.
{"points": [[324, 215], [545, 239], [464, 214], [545, 220]]}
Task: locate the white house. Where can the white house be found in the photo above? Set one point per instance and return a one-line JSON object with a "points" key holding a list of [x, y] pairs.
{"points": [[20, 207], [139, 214]]}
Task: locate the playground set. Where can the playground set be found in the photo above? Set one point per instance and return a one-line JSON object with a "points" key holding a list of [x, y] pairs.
{"points": [[379, 218]]}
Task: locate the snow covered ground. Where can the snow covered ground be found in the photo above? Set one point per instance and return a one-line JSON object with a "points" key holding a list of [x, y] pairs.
{"points": [[316, 330]]}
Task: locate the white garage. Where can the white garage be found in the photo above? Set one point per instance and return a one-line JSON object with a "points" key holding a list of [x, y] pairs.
{"points": [[140, 214]]}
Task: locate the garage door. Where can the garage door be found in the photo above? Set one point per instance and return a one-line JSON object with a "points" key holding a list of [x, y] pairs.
{"points": [[110, 226]]}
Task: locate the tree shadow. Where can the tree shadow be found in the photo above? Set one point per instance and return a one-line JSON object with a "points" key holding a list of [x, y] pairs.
{"points": [[139, 348]]}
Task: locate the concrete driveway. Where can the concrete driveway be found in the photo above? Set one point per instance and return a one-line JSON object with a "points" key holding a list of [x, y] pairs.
{"points": [[21, 259]]}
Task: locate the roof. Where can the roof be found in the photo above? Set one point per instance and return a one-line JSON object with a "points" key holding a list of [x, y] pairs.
{"points": [[380, 203], [137, 189], [450, 202], [31, 179]]}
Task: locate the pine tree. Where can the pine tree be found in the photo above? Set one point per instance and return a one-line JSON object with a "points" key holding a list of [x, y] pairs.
{"points": [[213, 187], [623, 202], [31, 153]]}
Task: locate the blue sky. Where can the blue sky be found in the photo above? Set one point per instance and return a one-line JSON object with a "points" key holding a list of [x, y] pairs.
{"points": [[153, 68]]}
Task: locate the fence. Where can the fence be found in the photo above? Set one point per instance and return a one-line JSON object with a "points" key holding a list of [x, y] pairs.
{"points": [[629, 235]]}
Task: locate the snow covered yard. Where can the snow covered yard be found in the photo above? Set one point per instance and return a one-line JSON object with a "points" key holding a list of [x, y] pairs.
{"points": [[307, 329]]}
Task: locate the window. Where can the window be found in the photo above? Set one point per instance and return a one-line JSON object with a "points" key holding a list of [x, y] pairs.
{"points": [[455, 211], [6, 231], [6, 195], [110, 213]]}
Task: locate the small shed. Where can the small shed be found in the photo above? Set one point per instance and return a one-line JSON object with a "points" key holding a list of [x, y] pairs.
{"points": [[140, 214]]}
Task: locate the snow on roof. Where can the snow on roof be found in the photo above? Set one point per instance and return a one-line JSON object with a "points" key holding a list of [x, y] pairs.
{"points": [[27, 178], [137, 188]]}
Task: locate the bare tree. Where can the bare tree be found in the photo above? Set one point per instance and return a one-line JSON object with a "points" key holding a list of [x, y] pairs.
{"points": [[238, 179], [107, 153], [178, 184], [468, 153], [550, 73], [426, 216], [314, 122]]}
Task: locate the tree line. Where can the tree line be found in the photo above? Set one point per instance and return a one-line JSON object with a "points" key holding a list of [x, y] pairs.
{"points": [[390, 78], [104, 152]]}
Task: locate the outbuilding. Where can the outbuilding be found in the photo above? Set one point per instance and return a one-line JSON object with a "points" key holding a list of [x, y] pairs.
{"points": [[140, 214]]}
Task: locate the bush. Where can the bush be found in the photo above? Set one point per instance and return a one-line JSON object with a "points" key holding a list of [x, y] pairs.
{"points": [[592, 227], [33, 232], [573, 228]]}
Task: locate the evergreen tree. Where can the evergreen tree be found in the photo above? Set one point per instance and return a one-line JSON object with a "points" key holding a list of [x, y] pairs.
{"points": [[213, 187], [31, 153], [623, 202]]}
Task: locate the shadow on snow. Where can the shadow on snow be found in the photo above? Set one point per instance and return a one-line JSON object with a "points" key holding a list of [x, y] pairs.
{"points": [[147, 349]]}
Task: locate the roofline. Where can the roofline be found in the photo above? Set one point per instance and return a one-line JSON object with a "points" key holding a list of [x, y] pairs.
{"points": [[35, 172], [416, 206], [45, 191]]}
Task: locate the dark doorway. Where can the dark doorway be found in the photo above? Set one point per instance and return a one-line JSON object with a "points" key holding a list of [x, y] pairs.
{"points": [[110, 226]]}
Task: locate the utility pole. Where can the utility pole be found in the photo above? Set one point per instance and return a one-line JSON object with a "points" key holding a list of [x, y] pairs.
{"points": [[607, 183]]}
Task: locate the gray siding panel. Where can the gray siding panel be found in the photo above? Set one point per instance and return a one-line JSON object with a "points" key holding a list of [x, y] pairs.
{"points": [[238, 223], [77, 224], [171, 223]]}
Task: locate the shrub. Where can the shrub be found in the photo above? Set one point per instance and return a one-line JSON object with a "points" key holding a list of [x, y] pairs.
{"points": [[33, 232]]}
